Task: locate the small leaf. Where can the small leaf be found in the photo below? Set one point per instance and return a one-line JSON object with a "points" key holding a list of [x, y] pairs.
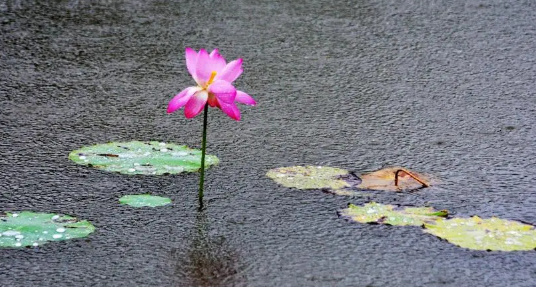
{"points": [[484, 234], [388, 214], [34, 229], [384, 179], [149, 158], [309, 177], [142, 200]]}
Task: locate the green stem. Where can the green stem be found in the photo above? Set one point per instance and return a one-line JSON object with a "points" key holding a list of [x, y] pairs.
{"points": [[203, 149]]}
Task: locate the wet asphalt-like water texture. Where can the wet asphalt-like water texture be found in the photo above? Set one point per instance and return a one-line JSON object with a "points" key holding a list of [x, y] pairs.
{"points": [[441, 87]]}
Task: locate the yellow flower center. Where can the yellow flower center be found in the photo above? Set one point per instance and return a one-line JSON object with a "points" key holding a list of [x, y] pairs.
{"points": [[210, 80]]}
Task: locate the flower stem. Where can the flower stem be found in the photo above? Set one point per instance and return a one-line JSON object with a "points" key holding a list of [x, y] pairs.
{"points": [[203, 149]]}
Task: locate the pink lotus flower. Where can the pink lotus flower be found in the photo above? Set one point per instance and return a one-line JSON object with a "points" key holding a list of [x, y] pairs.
{"points": [[214, 79]]}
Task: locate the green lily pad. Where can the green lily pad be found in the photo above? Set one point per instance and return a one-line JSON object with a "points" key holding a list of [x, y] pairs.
{"points": [[141, 200], [373, 212], [33, 229], [485, 234], [309, 177], [150, 158]]}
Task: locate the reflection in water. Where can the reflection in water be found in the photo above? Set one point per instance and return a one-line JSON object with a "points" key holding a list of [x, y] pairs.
{"points": [[209, 261]]}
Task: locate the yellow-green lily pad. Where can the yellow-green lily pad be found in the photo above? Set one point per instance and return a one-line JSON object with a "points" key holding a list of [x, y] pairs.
{"points": [[149, 158], [23, 229], [373, 212], [142, 200], [310, 177], [485, 234], [342, 182]]}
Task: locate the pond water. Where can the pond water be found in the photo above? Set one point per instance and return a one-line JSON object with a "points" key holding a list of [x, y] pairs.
{"points": [[441, 88]]}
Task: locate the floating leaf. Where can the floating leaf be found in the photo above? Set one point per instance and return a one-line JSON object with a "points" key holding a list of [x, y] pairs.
{"points": [[485, 234], [141, 200], [342, 182], [393, 179], [309, 177], [388, 214], [33, 229], [142, 158]]}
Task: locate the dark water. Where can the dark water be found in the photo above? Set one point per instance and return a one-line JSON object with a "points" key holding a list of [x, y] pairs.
{"points": [[443, 87]]}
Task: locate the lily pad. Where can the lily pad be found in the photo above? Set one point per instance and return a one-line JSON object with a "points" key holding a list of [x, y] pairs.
{"points": [[141, 200], [485, 234], [150, 158], [373, 212], [33, 229], [309, 177], [394, 179]]}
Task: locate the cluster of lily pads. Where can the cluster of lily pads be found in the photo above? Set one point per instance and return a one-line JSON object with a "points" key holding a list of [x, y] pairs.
{"points": [[27, 229], [473, 233]]}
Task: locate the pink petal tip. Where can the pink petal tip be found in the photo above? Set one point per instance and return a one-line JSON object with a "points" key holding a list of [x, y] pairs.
{"points": [[244, 98]]}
